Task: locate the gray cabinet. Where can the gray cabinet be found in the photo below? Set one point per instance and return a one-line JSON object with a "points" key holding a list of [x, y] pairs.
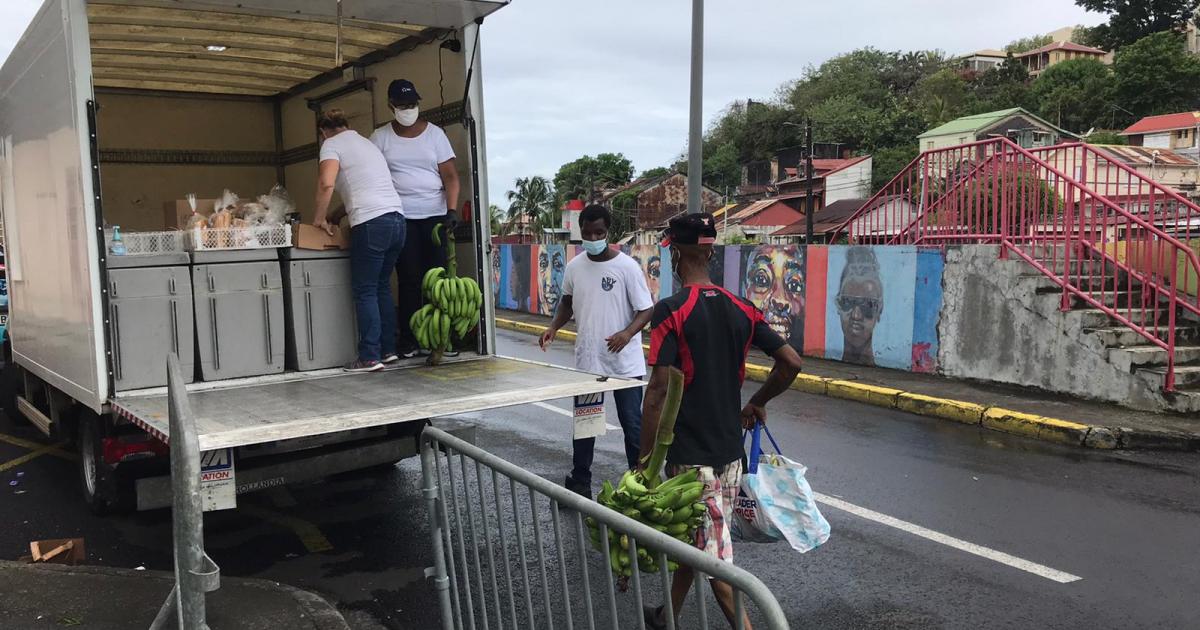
{"points": [[239, 319], [321, 326], [150, 315]]}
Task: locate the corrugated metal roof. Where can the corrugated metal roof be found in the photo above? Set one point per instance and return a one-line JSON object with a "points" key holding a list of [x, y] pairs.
{"points": [[1146, 156], [825, 219], [978, 122], [753, 209], [1069, 46], [826, 167], [972, 123], [1165, 122]]}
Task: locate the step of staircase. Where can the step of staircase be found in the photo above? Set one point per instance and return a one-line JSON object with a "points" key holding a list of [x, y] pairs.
{"points": [[1096, 318], [1186, 376], [1123, 336], [1135, 357]]}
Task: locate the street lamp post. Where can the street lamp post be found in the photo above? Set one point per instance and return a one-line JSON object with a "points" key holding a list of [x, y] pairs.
{"points": [[696, 112]]}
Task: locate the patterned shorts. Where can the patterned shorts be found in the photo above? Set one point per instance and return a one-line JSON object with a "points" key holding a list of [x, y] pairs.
{"points": [[720, 494]]}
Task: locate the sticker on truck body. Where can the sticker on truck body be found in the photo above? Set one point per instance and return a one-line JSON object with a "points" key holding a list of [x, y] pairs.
{"points": [[218, 481], [589, 416]]}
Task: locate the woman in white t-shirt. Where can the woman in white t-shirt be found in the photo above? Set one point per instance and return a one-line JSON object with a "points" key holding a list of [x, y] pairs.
{"points": [[424, 174], [352, 165]]}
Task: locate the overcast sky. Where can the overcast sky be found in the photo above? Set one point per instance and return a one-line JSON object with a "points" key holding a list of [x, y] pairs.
{"points": [[564, 78]]}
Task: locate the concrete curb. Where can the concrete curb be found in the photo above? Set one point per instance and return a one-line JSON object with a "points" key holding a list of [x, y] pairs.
{"points": [[320, 612], [993, 418]]}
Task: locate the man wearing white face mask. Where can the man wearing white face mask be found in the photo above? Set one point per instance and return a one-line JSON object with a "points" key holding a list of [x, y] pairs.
{"points": [[423, 171], [605, 291]]}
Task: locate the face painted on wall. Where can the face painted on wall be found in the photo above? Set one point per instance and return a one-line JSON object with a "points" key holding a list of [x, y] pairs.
{"points": [[551, 263], [775, 284], [649, 259], [496, 266], [518, 276], [859, 304]]}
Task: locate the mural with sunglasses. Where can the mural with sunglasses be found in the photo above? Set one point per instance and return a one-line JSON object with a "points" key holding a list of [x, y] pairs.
{"points": [[869, 310], [866, 305]]}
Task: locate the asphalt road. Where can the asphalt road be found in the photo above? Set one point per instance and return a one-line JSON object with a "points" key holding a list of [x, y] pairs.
{"points": [[935, 525]]}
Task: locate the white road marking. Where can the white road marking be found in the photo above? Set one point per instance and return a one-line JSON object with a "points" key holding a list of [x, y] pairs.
{"points": [[564, 412], [950, 541]]}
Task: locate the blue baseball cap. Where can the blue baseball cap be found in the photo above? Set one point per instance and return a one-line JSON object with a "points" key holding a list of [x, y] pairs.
{"points": [[403, 92]]}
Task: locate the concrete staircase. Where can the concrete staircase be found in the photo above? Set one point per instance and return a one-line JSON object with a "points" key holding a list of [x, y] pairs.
{"points": [[1003, 322], [1126, 349]]}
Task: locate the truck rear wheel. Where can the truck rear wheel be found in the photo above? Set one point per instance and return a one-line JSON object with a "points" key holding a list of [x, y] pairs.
{"points": [[105, 491]]}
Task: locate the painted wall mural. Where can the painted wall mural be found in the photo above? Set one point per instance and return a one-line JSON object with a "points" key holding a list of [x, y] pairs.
{"points": [[867, 305]]}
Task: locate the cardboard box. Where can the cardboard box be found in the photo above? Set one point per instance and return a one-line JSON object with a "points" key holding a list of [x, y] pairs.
{"points": [[176, 213], [308, 236]]}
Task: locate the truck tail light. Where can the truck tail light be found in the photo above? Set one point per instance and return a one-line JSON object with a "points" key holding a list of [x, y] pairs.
{"points": [[116, 450]]}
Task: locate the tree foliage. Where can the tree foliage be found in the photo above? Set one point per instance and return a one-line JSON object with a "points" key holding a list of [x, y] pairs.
{"points": [[1129, 22], [1156, 75], [1074, 94], [657, 171], [580, 178], [1026, 44], [1106, 137], [532, 198]]}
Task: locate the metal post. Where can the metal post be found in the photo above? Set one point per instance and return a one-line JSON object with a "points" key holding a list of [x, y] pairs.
{"points": [[696, 113], [195, 572], [808, 178]]}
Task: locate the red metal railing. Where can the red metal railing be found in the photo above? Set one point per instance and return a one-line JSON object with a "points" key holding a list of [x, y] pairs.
{"points": [[1110, 236]]}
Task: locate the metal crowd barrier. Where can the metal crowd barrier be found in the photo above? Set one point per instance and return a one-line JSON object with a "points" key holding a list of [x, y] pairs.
{"points": [[195, 573], [501, 559]]}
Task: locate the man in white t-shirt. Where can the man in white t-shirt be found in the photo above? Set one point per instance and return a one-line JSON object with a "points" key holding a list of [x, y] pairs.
{"points": [[421, 160], [352, 165], [606, 292]]}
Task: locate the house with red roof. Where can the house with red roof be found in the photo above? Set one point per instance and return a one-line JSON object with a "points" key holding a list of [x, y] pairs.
{"points": [[833, 180], [1037, 60], [1176, 132]]}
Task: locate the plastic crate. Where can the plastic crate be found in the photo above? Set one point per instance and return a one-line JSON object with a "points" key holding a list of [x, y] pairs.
{"points": [[242, 237], [148, 243]]}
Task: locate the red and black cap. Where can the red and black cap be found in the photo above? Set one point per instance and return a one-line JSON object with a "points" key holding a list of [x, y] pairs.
{"points": [[691, 229]]}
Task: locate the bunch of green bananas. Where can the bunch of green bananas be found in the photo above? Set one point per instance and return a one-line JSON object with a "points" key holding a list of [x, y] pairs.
{"points": [[451, 303], [673, 508]]}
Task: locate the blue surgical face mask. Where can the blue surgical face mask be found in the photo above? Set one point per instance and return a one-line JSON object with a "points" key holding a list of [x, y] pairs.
{"points": [[595, 248]]}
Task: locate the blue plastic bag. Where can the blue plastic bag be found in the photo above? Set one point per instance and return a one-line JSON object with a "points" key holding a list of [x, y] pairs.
{"points": [[775, 502]]}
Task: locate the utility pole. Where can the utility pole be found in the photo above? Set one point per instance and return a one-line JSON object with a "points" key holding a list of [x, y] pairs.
{"points": [[696, 112], [808, 182]]}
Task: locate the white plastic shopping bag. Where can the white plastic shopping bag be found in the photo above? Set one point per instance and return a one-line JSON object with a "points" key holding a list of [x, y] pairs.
{"points": [[776, 503]]}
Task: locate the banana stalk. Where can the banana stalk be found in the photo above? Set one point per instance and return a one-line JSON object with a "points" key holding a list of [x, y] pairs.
{"points": [[666, 429]]}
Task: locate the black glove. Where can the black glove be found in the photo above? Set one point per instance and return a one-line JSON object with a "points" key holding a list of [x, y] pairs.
{"points": [[451, 221]]}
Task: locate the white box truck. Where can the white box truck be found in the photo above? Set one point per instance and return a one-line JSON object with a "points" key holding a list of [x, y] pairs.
{"points": [[110, 112]]}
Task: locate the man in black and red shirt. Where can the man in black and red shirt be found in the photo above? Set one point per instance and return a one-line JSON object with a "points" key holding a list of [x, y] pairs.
{"points": [[706, 332]]}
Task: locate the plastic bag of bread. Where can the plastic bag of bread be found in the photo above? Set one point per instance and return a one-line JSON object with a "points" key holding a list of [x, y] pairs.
{"points": [[220, 222], [196, 220], [278, 204]]}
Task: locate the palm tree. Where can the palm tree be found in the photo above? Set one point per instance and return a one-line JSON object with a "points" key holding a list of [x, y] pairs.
{"points": [[532, 199], [498, 224]]}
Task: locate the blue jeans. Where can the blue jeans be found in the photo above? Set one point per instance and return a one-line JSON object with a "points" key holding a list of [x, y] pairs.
{"points": [[374, 248], [629, 413]]}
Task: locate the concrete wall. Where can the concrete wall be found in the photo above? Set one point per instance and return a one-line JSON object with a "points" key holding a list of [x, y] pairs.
{"points": [[961, 312], [867, 305], [996, 326]]}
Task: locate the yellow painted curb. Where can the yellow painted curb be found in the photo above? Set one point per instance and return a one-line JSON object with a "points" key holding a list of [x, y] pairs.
{"points": [[1035, 426], [860, 392], [534, 329], [811, 383], [956, 410]]}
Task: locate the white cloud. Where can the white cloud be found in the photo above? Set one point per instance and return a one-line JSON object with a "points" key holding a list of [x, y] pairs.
{"points": [[564, 78]]}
